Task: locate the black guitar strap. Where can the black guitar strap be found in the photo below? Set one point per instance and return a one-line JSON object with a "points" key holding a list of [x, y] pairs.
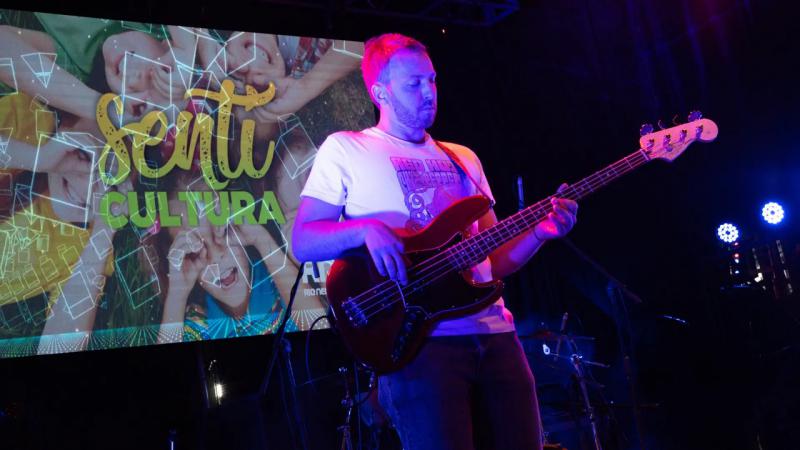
{"points": [[450, 154]]}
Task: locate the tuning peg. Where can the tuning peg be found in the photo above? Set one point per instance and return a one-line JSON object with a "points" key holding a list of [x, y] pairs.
{"points": [[660, 125], [675, 120], [695, 115], [646, 129]]}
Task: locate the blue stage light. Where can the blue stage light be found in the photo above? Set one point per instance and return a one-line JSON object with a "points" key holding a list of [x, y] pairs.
{"points": [[772, 213], [728, 233]]}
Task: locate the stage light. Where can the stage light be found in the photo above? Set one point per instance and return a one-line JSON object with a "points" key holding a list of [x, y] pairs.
{"points": [[772, 213], [728, 233]]}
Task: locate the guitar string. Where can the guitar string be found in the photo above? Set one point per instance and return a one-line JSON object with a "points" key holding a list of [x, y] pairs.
{"points": [[379, 297], [575, 191], [531, 211], [628, 159]]}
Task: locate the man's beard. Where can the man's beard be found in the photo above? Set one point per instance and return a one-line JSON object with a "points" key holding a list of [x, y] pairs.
{"points": [[411, 119]]}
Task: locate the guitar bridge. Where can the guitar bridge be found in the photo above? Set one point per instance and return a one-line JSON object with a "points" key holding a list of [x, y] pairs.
{"points": [[414, 317]]}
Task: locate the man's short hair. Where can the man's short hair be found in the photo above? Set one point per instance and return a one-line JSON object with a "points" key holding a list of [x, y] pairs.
{"points": [[378, 51]]}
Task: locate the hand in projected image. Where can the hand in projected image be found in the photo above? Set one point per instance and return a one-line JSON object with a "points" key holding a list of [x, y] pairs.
{"points": [[210, 55], [280, 105], [167, 82], [135, 105], [254, 59], [99, 190], [289, 98], [188, 257], [260, 114], [255, 235], [292, 93], [283, 274]]}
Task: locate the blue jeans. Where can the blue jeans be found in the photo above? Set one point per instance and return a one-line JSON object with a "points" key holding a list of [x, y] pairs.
{"points": [[463, 393]]}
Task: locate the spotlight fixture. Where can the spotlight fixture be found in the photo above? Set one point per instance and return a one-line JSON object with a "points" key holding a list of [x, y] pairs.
{"points": [[728, 233], [772, 213]]}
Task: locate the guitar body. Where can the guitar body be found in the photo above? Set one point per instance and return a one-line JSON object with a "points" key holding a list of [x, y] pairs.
{"points": [[392, 335]]}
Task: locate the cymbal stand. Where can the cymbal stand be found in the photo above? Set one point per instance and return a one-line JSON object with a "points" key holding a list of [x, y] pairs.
{"points": [[578, 363]]}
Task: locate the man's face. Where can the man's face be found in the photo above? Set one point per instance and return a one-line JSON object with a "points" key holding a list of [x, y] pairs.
{"points": [[411, 89]]}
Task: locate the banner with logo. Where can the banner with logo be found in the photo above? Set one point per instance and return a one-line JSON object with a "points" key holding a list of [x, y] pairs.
{"points": [[150, 176]]}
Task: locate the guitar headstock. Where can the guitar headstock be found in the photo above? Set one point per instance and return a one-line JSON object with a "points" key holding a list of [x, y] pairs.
{"points": [[669, 143]]}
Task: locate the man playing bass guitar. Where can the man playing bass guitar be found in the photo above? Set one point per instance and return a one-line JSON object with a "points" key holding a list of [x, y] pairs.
{"points": [[469, 384]]}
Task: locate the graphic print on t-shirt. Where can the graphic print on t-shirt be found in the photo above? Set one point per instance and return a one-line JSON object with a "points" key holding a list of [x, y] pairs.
{"points": [[429, 186]]}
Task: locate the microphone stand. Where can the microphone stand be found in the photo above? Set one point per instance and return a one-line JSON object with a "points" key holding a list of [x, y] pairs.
{"points": [[617, 293], [348, 402]]}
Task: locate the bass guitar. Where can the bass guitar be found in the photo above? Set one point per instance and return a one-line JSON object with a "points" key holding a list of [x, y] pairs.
{"points": [[384, 323]]}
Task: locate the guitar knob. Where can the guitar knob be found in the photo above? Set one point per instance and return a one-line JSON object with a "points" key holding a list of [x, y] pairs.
{"points": [[695, 115], [646, 129]]}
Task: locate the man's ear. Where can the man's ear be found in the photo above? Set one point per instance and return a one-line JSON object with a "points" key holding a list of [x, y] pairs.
{"points": [[378, 92]]}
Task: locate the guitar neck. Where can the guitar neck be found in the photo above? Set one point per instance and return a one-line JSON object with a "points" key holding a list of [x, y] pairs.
{"points": [[476, 248]]}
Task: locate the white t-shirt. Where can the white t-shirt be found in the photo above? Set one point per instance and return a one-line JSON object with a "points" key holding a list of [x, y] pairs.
{"points": [[403, 184]]}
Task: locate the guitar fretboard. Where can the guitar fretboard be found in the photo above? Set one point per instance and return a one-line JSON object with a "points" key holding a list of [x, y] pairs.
{"points": [[476, 248]]}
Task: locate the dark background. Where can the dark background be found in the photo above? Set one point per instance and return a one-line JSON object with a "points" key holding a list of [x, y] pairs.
{"points": [[552, 93]]}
